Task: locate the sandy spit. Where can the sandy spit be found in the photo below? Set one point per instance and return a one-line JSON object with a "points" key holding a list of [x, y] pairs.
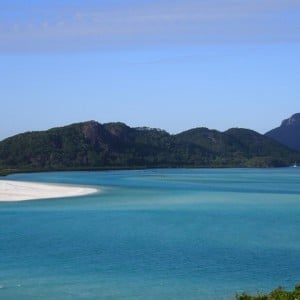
{"points": [[20, 190]]}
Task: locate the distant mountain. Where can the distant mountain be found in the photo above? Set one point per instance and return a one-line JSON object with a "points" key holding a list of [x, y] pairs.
{"points": [[288, 133], [91, 145]]}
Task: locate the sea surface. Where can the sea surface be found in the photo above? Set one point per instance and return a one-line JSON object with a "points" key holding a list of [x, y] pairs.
{"points": [[154, 234]]}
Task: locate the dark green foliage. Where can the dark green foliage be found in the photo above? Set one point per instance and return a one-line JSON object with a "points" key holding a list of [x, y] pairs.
{"points": [[91, 145], [244, 296], [278, 294]]}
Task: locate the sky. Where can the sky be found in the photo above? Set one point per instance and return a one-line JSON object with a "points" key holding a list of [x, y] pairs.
{"points": [[173, 65]]}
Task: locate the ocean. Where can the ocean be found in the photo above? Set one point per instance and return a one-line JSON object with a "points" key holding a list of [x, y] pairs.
{"points": [[154, 234]]}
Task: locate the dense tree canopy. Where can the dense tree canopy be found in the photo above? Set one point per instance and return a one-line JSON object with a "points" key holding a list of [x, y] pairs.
{"points": [[91, 145]]}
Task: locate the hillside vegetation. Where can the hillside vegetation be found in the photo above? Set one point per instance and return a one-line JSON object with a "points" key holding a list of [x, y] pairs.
{"points": [[91, 145]]}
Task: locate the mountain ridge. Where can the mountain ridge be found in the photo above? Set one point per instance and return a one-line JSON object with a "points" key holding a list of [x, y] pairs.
{"points": [[288, 133], [92, 145]]}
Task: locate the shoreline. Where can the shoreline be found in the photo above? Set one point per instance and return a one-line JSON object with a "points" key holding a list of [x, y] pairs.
{"points": [[11, 190], [6, 172]]}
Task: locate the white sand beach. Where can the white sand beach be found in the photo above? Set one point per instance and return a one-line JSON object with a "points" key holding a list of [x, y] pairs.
{"points": [[20, 190]]}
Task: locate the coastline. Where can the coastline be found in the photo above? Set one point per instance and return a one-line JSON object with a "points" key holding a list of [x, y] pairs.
{"points": [[11, 190]]}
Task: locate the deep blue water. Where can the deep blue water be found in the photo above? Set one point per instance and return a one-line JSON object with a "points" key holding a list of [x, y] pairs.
{"points": [[154, 234]]}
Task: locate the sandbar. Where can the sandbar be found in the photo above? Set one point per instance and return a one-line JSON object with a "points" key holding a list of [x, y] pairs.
{"points": [[11, 190]]}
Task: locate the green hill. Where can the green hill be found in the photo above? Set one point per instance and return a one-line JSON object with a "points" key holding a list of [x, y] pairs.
{"points": [[288, 133], [91, 145]]}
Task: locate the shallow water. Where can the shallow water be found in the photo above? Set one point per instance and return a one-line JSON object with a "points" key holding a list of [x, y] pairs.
{"points": [[154, 234]]}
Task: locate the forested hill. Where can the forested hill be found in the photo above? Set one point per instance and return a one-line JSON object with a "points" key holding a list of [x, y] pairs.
{"points": [[288, 133], [91, 145]]}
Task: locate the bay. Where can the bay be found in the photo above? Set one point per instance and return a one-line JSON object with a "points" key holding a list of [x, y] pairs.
{"points": [[154, 234]]}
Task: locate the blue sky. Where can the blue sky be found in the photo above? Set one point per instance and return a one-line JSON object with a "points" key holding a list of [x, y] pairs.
{"points": [[168, 64]]}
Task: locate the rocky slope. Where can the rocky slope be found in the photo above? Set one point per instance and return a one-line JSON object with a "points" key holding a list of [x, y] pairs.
{"points": [[288, 133]]}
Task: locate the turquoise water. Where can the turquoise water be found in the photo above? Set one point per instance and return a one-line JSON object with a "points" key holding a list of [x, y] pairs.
{"points": [[154, 234]]}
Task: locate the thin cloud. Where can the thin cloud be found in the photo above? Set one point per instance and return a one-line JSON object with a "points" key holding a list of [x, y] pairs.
{"points": [[92, 26]]}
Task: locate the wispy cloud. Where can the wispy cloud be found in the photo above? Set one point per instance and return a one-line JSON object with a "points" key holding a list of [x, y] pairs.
{"points": [[93, 26]]}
